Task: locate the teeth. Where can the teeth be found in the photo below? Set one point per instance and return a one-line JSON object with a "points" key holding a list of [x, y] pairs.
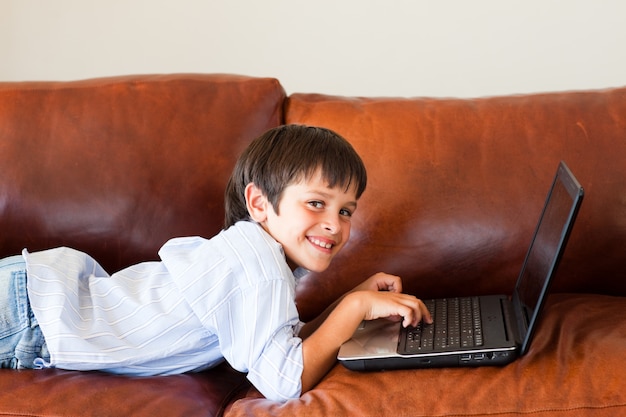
{"points": [[321, 244]]}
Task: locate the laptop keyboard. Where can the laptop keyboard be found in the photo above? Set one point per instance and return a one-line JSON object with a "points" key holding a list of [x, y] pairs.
{"points": [[457, 324]]}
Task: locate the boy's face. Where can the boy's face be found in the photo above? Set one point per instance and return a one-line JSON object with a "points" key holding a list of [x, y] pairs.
{"points": [[313, 224]]}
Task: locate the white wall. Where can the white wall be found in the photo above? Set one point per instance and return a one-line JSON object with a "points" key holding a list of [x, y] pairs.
{"points": [[462, 48]]}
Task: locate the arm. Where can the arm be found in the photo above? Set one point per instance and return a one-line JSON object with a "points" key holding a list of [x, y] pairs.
{"points": [[320, 348]]}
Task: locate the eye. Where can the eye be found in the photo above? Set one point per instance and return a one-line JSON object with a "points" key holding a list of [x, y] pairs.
{"points": [[345, 212], [316, 204]]}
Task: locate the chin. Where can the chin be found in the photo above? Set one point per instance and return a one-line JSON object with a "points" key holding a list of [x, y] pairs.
{"points": [[317, 268]]}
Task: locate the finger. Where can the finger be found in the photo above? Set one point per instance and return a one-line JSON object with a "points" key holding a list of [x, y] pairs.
{"points": [[408, 321], [426, 316], [411, 314], [417, 311], [390, 283]]}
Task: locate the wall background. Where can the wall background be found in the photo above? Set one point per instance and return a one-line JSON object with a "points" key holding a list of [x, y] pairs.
{"points": [[457, 48]]}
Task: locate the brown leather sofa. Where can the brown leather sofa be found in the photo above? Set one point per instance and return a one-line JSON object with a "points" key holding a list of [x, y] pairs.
{"points": [[116, 166]]}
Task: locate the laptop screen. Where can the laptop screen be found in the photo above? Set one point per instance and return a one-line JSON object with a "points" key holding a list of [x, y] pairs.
{"points": [[547, 246]]}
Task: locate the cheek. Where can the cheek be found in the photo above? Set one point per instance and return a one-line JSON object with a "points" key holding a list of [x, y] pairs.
{"points": [[307, 218], [346, 231]]}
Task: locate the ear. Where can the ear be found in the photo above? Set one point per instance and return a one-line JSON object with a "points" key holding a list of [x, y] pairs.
{"points": [[257, 203]]}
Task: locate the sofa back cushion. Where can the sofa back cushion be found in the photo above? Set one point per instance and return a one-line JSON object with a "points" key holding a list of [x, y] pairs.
{"points": [[456, 187], [116, 166]]}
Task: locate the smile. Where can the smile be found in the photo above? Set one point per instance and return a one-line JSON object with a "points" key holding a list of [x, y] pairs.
{"points": [[317, 242]]}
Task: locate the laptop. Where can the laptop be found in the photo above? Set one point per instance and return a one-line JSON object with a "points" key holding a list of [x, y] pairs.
{"points": [[480, 330]]}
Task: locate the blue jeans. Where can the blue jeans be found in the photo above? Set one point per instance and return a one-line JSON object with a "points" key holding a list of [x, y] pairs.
{"points": [[21, 339]]}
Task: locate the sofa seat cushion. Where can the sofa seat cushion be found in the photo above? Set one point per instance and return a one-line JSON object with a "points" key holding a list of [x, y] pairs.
{"points": [[574, 367], [68, 393]]}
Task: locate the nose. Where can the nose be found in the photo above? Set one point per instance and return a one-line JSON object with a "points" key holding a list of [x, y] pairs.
{"points": [[332, 224]]}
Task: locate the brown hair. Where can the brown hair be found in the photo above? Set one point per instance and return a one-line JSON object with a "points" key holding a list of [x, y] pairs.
{"points": [[285, 155]]}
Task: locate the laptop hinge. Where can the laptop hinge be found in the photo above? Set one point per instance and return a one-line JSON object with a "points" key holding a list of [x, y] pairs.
{"points": [[511, 327]]}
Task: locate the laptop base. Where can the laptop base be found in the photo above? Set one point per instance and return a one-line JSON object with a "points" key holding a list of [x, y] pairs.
{"points": [[498, 358]]}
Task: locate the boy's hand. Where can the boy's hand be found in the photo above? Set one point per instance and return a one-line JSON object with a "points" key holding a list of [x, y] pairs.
{"points": [[387, 305], [392, 305], [381, 282]]}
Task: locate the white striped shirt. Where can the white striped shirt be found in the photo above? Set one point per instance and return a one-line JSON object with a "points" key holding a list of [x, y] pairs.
{"points": [[231, 297]]}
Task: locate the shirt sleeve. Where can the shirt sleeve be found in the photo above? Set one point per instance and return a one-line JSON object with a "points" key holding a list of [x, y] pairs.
{"points": [[242, 290], [257, 332]]}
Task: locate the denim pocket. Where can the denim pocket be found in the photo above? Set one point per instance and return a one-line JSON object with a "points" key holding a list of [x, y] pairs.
{"points": [[21, 340], [13, 297]]}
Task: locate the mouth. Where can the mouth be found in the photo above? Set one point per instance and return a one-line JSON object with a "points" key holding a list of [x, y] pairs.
{"points": [[322, 243]]}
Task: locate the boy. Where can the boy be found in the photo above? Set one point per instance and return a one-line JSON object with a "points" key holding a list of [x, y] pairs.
{"points": [[288, 208]]}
